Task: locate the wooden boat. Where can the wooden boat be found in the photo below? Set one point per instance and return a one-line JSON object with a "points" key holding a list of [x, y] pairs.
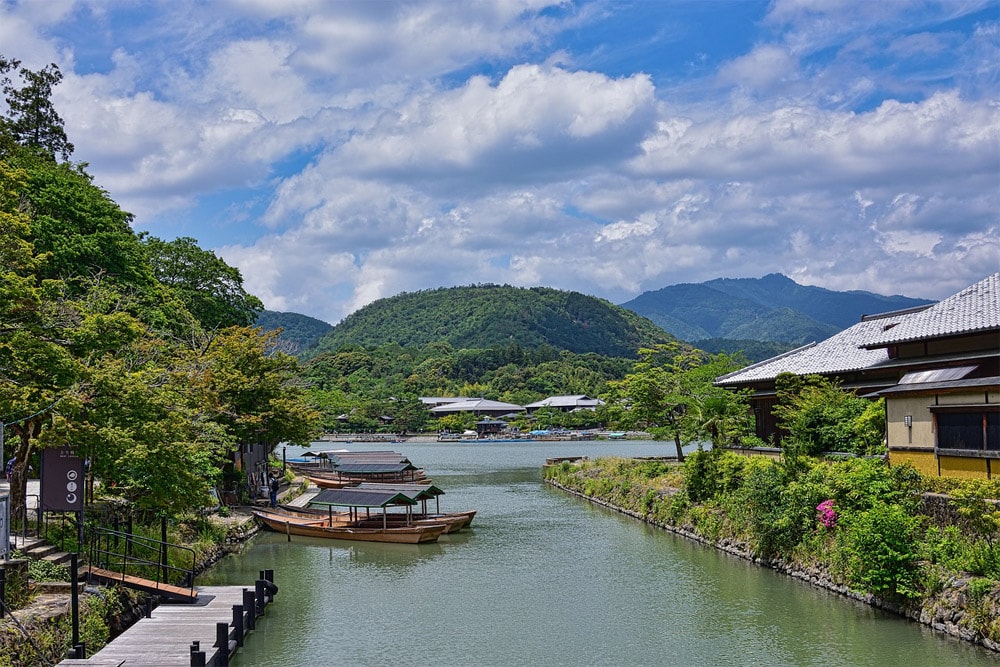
{"points": [[453, 521], [366, 531], [329, 483]]}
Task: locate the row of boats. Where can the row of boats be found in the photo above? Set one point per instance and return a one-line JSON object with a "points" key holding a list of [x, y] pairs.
{"points": [[379, 497]]}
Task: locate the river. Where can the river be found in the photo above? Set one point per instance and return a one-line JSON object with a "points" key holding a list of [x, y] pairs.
{"points": [[545, 578]]}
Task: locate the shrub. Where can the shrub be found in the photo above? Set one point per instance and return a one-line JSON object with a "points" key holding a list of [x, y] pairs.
{"points": [[877, 551]]}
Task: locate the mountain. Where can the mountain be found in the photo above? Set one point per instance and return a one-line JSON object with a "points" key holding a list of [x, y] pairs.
{"points": [[484, 316], [299, 332], [773, 308]]}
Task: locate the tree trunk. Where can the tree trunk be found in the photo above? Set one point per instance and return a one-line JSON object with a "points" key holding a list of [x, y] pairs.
{"points": [[677, 444], [19, 478]]}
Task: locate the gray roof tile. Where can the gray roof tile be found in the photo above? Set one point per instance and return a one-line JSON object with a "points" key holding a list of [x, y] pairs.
{"points": [[974, 309], [839, 353]]}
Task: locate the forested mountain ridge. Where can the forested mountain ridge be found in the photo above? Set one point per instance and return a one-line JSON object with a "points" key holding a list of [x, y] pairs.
{"points": [[299, 333], [487, 316], [772, 308]]}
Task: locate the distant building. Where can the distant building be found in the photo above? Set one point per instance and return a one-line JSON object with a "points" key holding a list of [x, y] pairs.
{"points": [[565, 403], [435, 401], [938, 368], [477, 406]]}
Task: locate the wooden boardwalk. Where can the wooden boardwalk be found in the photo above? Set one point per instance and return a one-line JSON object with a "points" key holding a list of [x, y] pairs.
{"points": [[165, 637]]}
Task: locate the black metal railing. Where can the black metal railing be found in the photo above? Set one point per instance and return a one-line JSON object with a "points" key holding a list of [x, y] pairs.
{"points": [[143, 557]]}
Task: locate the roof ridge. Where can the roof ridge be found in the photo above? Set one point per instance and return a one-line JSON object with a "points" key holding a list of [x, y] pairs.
{"points": [[895, 313], [767, 361]]}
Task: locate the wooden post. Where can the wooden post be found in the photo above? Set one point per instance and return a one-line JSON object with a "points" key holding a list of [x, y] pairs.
{"points": [[259, 594], [222, 642], [248, 606], [238, 623]]}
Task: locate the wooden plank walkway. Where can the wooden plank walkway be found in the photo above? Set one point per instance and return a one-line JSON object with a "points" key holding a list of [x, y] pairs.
{"points": [[175, 592], [165, 638]]}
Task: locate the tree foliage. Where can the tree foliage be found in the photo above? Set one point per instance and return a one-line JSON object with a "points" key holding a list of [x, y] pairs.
{"points": [[32, 119], [819, 416], [99, 352], [209, 288], [492, 316], [670, 393]]}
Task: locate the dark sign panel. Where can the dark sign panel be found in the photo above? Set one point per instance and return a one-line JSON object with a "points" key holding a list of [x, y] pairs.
{"points": [[62, 480]]}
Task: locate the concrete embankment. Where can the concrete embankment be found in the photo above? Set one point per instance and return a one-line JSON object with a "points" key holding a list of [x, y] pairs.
{"points": [[955, 610]]}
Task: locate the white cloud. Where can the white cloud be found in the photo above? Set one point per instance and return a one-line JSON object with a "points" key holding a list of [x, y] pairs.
{"points": [[402, 145]]}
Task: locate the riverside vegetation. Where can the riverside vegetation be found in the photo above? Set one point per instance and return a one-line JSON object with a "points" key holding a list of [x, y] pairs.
{"points": [[854, 525]]}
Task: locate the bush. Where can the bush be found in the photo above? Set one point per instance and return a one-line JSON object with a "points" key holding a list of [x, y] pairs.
{"points": [[877, 550]]}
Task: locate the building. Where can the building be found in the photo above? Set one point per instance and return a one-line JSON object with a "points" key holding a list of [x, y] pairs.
{"points": [[565, 403], [938, 367], [943, 416], [477, 406]]}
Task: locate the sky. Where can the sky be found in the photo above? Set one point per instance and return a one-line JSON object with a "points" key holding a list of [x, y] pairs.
{"points": [[338, 152]]}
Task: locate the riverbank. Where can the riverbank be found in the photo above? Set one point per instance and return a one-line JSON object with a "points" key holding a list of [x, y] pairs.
{"points": [[962, 606]]}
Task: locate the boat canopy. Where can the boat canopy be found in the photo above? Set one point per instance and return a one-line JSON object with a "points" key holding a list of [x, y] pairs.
{"points": [[357, 497], [415, 491], [367, 468]]}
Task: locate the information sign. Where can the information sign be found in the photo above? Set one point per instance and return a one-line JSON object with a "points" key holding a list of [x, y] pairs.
{"points": [[62, 480]]}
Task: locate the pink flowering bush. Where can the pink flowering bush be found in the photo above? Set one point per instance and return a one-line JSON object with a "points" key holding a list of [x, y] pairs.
{"points": [[826, 514]]}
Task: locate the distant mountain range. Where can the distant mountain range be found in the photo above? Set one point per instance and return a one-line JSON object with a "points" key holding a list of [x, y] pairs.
{"points": [[774, 308], [759, 316]]}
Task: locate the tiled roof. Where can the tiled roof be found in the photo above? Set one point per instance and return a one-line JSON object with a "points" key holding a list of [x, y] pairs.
{"points": [[473, 404], [974, 309], [839, 353], [566, 401]]}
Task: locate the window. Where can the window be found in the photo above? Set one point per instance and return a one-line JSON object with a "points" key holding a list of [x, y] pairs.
{"points": [[969, 429]]}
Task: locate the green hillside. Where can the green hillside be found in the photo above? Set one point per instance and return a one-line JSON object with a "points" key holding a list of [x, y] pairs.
{"points": [[485, 316], [299, 332]]}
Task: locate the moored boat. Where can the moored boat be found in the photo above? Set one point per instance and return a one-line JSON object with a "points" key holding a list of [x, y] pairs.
{"points": [[367, 530]]}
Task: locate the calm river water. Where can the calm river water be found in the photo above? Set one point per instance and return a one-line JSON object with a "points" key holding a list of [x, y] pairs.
{"points": [[544, 578]]}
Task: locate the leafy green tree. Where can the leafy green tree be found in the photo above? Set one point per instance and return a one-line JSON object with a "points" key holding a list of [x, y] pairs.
{"points": [[819, 416], [31, 117], [37, 369], [210, 289], [259, 398], [670, 393]]}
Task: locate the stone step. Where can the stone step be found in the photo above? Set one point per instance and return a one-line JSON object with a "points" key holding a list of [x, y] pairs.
{"points": [[60, 558], [41, 550]]}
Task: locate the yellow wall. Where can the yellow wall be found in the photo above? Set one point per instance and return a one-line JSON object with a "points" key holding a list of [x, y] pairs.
{"points": [[966, 468], [922, 461]]}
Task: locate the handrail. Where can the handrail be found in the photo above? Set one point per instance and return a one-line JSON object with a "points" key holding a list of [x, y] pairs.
{"points": [[120, 559]]}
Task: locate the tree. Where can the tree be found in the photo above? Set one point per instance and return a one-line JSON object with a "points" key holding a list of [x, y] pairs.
{"points": [[210, 289], [819, 416], [32, 120], [37, 369], [670, 393], [255, 391]]}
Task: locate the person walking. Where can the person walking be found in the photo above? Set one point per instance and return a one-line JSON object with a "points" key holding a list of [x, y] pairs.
{"points": [[275, 485]]}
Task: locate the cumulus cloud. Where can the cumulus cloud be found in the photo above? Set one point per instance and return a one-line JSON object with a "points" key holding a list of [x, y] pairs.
{"points": [[361, 149]]}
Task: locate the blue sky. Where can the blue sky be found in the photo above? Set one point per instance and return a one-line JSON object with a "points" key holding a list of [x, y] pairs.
{"points": [[340, 152]]}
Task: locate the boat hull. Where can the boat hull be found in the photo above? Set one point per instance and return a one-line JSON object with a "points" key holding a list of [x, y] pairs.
{"points": [[318, 526]]}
